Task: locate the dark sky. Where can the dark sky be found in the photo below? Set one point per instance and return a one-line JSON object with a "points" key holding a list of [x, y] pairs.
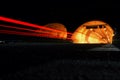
{"points": [[72, 14]]}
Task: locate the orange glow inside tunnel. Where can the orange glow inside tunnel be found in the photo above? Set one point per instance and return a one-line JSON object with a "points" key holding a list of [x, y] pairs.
{"points": [[28, 24], [93, 32], [26, 34]]}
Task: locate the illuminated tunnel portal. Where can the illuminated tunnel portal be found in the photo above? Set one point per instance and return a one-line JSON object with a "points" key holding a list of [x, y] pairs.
{"points": [[93, 32]]}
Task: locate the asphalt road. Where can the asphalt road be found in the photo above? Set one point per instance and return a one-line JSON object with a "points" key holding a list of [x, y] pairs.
{"points": [[109, 47], [55, 61]]}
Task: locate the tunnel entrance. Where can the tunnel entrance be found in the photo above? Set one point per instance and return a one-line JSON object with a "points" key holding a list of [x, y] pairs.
{"points": [[93, 32]]}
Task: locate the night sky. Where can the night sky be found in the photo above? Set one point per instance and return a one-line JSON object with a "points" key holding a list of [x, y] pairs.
{"points": [[72, 14]]}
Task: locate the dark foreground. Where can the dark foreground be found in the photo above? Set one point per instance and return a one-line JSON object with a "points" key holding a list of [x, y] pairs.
{"points": [[51, 61]]}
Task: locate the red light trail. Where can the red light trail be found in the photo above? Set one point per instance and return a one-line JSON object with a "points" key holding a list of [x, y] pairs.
{"points": [[14, 27], [28, 24], [41, 32], [26, 33]]}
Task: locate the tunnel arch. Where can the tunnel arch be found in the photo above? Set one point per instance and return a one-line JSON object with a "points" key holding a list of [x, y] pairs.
{"points": [[93, 32], [57, 26]]}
